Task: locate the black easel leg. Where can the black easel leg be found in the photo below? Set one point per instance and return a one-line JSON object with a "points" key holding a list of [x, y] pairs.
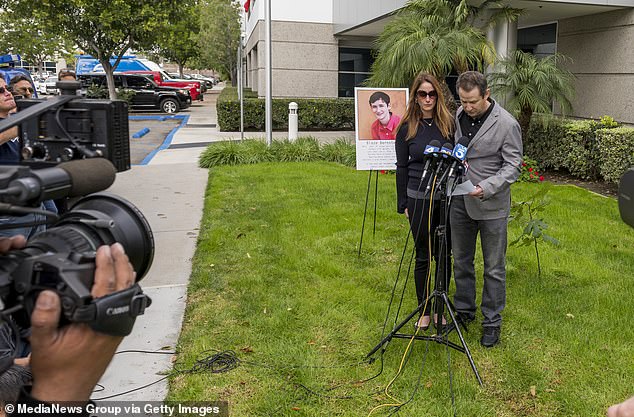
{"points": [[376, 195], [365, 211]]}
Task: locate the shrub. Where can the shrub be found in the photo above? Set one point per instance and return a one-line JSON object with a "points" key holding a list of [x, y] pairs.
{"points": [[96, 91], [221, 153], [252, 151], [126, 94], [575, 146], [616, 151], [313, 114], [342, 151], [530, 171], [303, 149], [580, 149]]}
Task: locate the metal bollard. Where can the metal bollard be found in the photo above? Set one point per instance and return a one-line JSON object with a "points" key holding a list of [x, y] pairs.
{"points": [[292, 121]]}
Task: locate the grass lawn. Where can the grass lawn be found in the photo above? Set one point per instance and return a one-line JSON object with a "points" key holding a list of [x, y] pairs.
{"points": [[276, 278]]}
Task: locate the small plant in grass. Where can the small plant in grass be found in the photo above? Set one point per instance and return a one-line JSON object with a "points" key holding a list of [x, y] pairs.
{"points": [[528, 215]]}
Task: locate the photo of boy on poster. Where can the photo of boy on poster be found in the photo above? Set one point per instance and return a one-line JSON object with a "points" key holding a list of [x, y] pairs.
{"points": [[378, 114]]}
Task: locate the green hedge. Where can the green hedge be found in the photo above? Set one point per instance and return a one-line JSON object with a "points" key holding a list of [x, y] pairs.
{"points": [[616, 151], [313, 114], [588, 149]]}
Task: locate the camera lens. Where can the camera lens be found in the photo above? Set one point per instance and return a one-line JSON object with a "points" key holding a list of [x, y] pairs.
{"points": [[96, 220]]}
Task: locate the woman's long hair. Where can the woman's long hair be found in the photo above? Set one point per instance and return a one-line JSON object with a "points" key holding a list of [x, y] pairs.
{"points": [[413, 115]]}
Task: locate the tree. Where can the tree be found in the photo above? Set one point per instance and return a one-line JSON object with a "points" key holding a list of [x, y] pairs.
{"points": [[534, 84], [435, 36], [179, 41], [28, 38], [220, 36], [102, 29]]}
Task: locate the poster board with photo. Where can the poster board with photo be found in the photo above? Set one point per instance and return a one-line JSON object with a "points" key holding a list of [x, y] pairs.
{"points": [[376, 125]]}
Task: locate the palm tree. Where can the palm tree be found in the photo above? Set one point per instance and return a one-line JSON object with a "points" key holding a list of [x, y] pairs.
{"points": [[435, 36], [534, 84]]}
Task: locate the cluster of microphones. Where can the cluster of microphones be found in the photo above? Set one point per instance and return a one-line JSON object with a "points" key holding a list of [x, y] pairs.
{"points": [[444, 163]]}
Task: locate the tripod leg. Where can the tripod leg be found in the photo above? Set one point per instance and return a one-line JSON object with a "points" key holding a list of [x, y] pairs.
{"points": [[395, 330], [365, 211], [464, 344]]}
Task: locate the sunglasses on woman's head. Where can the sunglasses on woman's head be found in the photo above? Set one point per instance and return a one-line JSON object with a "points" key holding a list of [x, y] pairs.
{"points": [[423, 94], [3, 90]]}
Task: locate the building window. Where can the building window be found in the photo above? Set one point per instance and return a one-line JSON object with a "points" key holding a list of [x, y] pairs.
{"points": [[354, 69], [540, 40]]}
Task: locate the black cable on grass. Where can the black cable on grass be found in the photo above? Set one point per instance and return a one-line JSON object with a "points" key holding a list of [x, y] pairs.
{"points": [[224, 361]]}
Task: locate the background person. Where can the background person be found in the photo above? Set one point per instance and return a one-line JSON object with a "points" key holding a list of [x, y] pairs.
{"points": [[21, 87], [10, 155], [66, 74], [494, 157], [426, 118], [386, 123]]}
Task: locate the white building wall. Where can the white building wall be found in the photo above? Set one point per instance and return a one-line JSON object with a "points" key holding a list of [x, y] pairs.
{"points": [[291, 11], [304, 50], [350, 13]]}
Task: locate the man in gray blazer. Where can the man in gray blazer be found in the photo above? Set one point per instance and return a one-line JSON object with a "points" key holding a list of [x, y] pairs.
{"points": [[494, 160]]}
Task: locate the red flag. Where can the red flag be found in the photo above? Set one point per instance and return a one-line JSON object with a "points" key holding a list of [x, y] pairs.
{"points": [[246, 5]]}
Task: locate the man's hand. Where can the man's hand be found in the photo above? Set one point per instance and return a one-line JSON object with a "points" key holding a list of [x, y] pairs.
{"points": [[477, 193], [406, 213], [68, 362]]}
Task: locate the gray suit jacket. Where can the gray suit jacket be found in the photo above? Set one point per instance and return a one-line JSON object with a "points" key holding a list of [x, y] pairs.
{"points": [[494, 156]]}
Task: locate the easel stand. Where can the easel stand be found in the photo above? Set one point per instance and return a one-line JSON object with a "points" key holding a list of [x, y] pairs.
{"points": [[365, 211], [439, 299]]}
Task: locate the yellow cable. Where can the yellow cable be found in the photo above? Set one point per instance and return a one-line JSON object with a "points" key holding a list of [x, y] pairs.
{"points": [[400, 368]]}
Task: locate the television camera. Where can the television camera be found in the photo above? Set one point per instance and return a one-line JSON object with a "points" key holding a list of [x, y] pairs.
{"points": [[72, 147]]}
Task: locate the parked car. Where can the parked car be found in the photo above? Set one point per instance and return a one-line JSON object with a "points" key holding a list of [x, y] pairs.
{"points": [[162, 79], [42, 87], [148, 95], [50, 87], [176, 77], [209, 81]]}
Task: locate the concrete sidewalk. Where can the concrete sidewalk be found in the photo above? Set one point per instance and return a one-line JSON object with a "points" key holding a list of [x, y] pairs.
{"points": [[169, 190]]}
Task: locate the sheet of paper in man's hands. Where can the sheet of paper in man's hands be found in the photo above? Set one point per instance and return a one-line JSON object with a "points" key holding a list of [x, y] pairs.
{"points": [[464, 188]]}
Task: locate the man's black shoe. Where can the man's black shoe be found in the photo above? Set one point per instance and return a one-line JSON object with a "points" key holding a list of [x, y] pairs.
{"points": [[490, 336], [465, 318]]}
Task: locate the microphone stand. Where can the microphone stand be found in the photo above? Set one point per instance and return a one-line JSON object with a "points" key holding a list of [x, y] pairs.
{"points": [[438, 297]]}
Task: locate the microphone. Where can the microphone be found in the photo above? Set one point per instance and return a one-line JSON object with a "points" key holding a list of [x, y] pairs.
{"points": [[459, 155], [431, 154], [445, 151], [68, 179]]}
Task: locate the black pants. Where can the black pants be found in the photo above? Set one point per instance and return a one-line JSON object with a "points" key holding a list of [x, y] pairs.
{"points": [[424, 236]]}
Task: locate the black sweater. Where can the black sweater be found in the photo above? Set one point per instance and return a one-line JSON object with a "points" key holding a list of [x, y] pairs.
{"points": [[409, 159]]}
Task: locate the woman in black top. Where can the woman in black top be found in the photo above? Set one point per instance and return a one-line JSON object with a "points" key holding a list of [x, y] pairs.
{"points": [[427, 118]]}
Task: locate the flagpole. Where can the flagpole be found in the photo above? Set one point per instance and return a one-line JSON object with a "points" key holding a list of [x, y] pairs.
{"points": [[268, 105]]}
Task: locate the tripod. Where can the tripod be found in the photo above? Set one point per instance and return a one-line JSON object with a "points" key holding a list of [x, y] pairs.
{"points": [[438, 298]]}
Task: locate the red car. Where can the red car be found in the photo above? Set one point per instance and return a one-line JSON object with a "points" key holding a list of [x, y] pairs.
{"points": [[162, 79]]}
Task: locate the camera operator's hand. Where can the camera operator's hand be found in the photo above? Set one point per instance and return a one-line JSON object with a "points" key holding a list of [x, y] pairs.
{"points": [[13, 242], [68, 362], [624, 409]]}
